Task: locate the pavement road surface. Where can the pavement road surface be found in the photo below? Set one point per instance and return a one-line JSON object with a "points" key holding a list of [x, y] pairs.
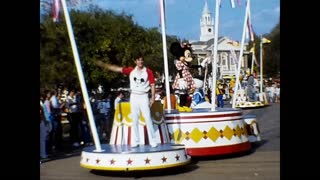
{"points": [[261, 163]]}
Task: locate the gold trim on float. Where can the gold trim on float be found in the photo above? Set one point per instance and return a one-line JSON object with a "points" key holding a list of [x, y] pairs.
{"points": [[134, 168]]}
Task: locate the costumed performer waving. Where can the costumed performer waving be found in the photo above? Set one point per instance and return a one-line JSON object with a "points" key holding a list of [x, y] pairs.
{"points": [[141, 82]]}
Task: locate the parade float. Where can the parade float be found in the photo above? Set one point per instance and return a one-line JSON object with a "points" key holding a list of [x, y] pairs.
{"points": [[120, 156], [244, 96], [214, 131], [181, 135]]}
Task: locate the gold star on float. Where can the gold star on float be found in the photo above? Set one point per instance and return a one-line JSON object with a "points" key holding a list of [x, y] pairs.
{"points": [[87, 159], [164, 159], [177, 157], [97, 161], [129, 161], [112, 161], [147, 160]]}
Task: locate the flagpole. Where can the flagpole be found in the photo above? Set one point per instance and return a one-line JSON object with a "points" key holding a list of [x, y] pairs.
{"points": [[165, 55], [215, 50], [81, 77], [252, 62], [261, 65], [205, 78], [240, 56]]}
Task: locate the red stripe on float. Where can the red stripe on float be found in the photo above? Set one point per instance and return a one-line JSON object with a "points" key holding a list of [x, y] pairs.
{"points": [[129, 135], [115, 141], [219, 150], [179, 122], [202, 117]]}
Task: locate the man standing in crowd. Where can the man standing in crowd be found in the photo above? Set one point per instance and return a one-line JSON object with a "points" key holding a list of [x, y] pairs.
{"points": [[118, 99]]}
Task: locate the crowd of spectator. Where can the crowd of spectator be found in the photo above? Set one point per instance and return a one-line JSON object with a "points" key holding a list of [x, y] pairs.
{"points": [[57, 106], [66, 105]]}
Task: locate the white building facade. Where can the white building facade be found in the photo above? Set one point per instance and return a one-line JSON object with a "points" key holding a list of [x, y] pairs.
{"points": [[228, 49]]}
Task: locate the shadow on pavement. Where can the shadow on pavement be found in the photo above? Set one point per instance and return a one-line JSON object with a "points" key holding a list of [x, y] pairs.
{"points": [[257, 145], [62, 155]]}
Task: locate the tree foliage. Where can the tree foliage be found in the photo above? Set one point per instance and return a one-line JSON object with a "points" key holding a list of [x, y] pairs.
{"points": [[114, 38], [271, 53], [99, 35]]}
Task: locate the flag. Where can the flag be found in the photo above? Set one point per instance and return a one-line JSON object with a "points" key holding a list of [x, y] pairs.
{"points": [[55, 10], [255, 60], [252, 50], [265, 40], [249, 29], [239, 3], [249, 32], [232, 4], [234, 43]]}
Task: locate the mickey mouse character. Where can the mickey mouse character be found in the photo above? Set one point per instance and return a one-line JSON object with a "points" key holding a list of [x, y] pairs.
{"points": [[183, 82]]}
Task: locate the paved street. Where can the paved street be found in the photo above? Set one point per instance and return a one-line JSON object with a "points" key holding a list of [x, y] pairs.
{"points": [[262, 163]]}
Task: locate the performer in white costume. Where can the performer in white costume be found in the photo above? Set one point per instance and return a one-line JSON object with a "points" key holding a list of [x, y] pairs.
{"points": [[141, 81]]}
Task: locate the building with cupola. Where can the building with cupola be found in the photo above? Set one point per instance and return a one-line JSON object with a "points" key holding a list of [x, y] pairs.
{"points": [[227, 47]]}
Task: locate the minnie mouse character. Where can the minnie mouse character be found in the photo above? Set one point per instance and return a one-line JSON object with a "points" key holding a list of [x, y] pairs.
{"points": [[183, 82]]}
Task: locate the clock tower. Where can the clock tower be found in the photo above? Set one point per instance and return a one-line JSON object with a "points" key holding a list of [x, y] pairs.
{"points": [[206, 24]]}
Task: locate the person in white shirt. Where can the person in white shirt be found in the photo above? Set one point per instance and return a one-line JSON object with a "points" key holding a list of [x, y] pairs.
{"points": [[141, 81], [120, 96], [56, 114], [74, 116]]}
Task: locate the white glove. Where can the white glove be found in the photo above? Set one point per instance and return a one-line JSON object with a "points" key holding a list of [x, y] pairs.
{"points": [[182, 84]]}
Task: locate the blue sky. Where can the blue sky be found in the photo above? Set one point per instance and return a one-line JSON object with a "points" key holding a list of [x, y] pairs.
{"points": [[183, 16]]}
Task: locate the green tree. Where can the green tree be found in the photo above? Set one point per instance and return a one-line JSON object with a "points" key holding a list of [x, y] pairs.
{"points": [[99, 34], [271, 53]]}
